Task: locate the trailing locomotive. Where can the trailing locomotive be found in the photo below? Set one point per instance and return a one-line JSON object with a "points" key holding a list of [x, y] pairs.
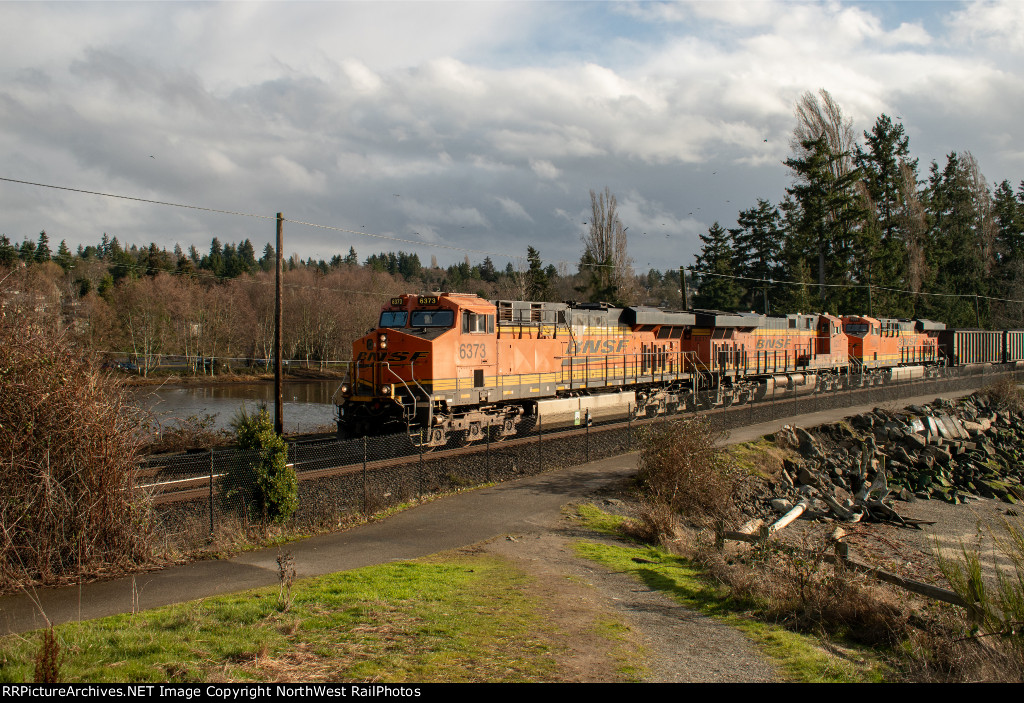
{"points": [[457, 368]]}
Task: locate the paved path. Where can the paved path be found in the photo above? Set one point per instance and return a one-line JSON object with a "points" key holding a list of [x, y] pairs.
{"points": [[524, 505]]}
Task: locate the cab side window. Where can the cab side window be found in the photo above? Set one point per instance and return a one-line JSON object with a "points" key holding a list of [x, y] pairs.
{"points": [[475, 323]]}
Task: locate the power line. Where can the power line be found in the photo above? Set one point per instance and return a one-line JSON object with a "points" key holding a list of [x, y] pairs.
{"points": [[140, 200], [772, 281]]}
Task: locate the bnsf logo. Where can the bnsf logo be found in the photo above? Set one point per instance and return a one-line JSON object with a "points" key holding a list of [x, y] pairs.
{"points": [[609, 346], [771, 344], [391, 357]]}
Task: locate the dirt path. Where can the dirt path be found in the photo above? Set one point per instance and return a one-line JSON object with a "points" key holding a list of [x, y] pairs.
{"points": [[658, 640]]}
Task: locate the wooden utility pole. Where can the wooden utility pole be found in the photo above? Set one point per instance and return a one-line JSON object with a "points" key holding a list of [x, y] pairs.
{"points": [[278, 318], [682, 286]]}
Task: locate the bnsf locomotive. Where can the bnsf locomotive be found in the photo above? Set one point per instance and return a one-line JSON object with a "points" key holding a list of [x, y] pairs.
{"points": [[455, 368]]}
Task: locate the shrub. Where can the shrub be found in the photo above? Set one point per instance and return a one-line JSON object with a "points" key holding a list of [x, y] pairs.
{"points": [[192, 432], [69, 439], [681, 468], [264, 480], [1005, 394]]}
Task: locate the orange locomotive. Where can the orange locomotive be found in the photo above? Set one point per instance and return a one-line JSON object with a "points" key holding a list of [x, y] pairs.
{"points": [[456, 367], [884, 348]]}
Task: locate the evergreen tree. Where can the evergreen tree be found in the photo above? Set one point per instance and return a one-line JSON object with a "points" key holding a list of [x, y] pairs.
{"points": [[718, 287], [63, 256], [351, 259], [27, 252], [246, 257], [8, 253], [268, 262], [757, 247], [121, 262], [885, 166], [536, 278], [1009, 273], [214, 261], [42, 248], [955, 248], [829, 223], [487, 270]]}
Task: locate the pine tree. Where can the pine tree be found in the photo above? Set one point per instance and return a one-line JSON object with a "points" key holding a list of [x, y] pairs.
{"points": [[757, 247], [829, 224], [1009, 274], [886, 166], [718, 287], [63, 256], [536, 278], [42, 252], [955, 247]]}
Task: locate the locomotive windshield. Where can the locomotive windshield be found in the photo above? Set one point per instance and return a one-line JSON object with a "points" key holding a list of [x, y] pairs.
{"points": [[432, 318], [856, 330], [395, 318]]}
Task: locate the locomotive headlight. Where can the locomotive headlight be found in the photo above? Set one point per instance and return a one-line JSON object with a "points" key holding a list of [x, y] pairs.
{"points": [[383, 341], [385, 390], [344, 389]]}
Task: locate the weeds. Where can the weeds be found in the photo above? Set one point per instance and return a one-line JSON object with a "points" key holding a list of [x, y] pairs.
{"points": [[192, 432], [1005, 394], [48, 659], [991, 639]]}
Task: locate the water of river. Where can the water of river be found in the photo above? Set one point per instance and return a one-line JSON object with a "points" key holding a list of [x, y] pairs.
{"points": [[307, 404]]}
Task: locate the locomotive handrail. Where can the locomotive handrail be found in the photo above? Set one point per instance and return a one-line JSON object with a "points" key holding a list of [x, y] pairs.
{"points": [[412, 375]]}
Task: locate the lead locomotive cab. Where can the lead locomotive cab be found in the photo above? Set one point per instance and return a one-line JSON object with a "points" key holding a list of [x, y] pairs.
{"points": [[427, 368]]}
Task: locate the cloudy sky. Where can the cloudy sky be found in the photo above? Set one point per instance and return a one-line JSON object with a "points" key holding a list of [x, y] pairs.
{"points": [[479, 127]]}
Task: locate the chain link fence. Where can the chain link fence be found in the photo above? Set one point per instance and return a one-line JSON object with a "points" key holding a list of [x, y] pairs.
{"points": [[340, 481]]}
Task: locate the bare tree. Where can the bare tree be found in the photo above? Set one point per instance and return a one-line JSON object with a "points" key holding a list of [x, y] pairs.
{"points": [[606, 264], [824, 118], [984, 208], [914, 221]]}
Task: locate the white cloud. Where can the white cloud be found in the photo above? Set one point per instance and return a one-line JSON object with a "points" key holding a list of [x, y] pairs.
{"points": [[1000, 22], [544, 169], [513, 209]]}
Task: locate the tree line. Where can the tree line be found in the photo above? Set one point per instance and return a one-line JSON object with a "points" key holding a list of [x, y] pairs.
{"points": [[859, 230], [147, 303]]}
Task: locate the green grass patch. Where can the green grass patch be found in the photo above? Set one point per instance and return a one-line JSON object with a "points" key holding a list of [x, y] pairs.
{"points": [[451, 620], [760, 458], [800, 657], [593, 518]]}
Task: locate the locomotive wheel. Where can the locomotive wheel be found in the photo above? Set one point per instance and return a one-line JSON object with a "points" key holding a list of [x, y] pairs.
{"points": [[458, 438]]}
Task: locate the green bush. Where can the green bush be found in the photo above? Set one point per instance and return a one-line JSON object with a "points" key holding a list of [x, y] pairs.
{"points": [[263, 482]]}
